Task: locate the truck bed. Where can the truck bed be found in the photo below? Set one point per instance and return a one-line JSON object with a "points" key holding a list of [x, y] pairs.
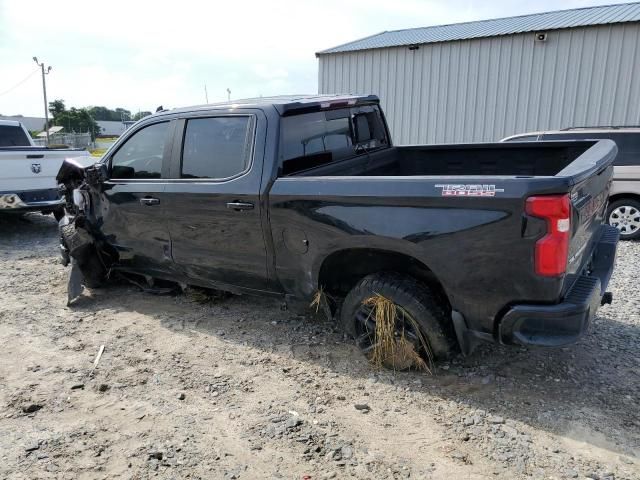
{"points": [[440, 202], [492, 159]]}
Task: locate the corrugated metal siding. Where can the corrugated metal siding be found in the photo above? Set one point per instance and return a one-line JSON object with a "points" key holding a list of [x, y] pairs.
{"points": [[578, 17], [489, 88]]}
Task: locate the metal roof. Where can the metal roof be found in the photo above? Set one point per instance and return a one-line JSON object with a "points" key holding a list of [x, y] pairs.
{"points": [[578, 17]]}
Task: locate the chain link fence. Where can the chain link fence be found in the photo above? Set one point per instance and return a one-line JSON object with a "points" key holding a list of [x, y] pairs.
{"points": [[72, 140]]}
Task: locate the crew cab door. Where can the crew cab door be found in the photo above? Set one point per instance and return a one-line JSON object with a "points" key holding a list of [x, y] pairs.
{"points": [[213, 202], [132, 204]]}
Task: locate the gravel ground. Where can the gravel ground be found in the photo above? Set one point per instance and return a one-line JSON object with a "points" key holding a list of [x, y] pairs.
{"points": [[237, 388]]}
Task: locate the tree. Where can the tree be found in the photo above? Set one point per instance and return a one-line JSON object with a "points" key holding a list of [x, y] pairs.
{"points": [[100, 113], [140, 115], [123, 114], [104, 113], [56, 107], [77, 120]]}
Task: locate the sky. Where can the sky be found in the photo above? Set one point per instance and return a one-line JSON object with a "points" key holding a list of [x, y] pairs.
{"points": [[140, 54]]}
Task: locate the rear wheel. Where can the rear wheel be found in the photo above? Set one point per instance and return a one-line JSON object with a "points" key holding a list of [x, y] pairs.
{"points": [[624, 214], [420, 324]]}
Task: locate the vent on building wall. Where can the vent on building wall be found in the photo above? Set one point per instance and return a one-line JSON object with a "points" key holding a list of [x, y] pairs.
{"points": [[541, 37], [414, 47]]}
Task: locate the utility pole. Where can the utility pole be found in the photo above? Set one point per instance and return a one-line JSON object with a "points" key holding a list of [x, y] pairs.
{"points": [[44, 91], [228, 95], [206, 95]]}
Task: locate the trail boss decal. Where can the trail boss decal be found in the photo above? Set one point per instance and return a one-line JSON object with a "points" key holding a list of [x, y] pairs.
{"points": [[469, 190]]}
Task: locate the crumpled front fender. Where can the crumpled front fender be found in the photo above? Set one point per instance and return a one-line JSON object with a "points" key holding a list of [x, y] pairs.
{"points": [[75, 170]]}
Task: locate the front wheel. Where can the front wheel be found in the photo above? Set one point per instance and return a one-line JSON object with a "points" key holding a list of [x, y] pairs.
{"points": [[92, 269], [415, 330], [58, 214], [624, 214]]}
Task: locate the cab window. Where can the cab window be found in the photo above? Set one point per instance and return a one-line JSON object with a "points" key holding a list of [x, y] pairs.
{"points": [[140, 157], [310, 140], [12, 136], [216, 147]]}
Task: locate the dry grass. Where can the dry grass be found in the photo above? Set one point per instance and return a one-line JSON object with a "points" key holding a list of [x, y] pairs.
{"points": [[393, 351], [318, 299], [98, 152], [322, 301]]}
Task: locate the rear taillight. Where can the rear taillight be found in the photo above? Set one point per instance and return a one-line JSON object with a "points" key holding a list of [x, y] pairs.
{"points": [[552, 250]]}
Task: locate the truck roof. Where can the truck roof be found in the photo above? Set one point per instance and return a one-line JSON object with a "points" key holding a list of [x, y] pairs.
{"points": [[286, 104], [10, 123]]}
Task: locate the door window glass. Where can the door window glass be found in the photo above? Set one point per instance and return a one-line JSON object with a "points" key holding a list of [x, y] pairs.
{"points": [[141, 154], [216, 147]]}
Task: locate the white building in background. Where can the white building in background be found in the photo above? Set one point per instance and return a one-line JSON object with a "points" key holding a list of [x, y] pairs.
{"points": [[31, 123], [107, 128], [484, 80]]}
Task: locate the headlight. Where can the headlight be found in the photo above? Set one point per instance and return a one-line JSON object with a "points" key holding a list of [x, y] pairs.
{"points": [[79, 199]]}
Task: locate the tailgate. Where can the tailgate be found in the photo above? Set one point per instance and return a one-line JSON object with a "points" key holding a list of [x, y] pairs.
{"points": [[24, 170], [591, 180]]}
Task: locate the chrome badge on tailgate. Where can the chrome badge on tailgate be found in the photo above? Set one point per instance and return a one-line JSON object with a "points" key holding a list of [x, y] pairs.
{"points": [[473, 190]]}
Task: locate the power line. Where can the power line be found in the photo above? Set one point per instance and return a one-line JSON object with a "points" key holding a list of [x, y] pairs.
{"points": [[19, 83]]}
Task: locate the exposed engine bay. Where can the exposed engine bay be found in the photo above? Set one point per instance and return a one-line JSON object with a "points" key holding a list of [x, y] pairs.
{"points": [[81, 242]]}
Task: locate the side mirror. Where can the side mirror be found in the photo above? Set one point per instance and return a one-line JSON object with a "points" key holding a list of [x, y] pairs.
{"points": [[122, 172], [97, 174]]}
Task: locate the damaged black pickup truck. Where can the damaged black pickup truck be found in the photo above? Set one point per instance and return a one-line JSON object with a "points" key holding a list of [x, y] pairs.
{"points": [[298, 197]]}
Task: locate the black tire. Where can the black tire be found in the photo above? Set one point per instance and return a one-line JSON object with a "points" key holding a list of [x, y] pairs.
{"points": [[420, 302], [624, 214], [58, 214], [92, 269]]}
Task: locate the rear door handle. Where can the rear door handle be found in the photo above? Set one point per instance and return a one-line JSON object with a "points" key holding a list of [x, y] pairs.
{"points": [[238, 206], [150, 201]]}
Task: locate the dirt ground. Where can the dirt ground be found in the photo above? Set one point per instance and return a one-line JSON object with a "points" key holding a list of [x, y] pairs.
{"points": [[237, 388]]}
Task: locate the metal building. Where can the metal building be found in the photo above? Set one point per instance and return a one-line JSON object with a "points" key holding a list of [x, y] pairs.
{"points": [[484, 80]]}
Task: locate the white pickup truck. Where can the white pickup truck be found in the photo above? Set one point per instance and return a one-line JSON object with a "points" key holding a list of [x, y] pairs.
{"points": [[28, 172]]}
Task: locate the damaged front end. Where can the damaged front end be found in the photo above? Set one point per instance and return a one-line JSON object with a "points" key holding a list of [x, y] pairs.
{"points": [[81, 242]]}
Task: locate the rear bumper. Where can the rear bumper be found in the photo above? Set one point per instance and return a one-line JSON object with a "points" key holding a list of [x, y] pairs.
{"points": [[48, 199], [565, 322]]}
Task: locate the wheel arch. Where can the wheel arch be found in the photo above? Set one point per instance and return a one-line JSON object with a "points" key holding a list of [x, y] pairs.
{"points": [[622, 195], [340, 271]]}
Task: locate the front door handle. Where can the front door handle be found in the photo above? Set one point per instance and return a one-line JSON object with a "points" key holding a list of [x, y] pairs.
{"points": [[150, 201], [238, 206]]}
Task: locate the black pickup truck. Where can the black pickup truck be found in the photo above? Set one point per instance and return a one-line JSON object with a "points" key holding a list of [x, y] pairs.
{"points": [[296, 196]]}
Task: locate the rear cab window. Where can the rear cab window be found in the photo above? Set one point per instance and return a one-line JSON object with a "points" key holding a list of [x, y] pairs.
{"points": [[216, 147], [314, 139], [13, 136]]}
